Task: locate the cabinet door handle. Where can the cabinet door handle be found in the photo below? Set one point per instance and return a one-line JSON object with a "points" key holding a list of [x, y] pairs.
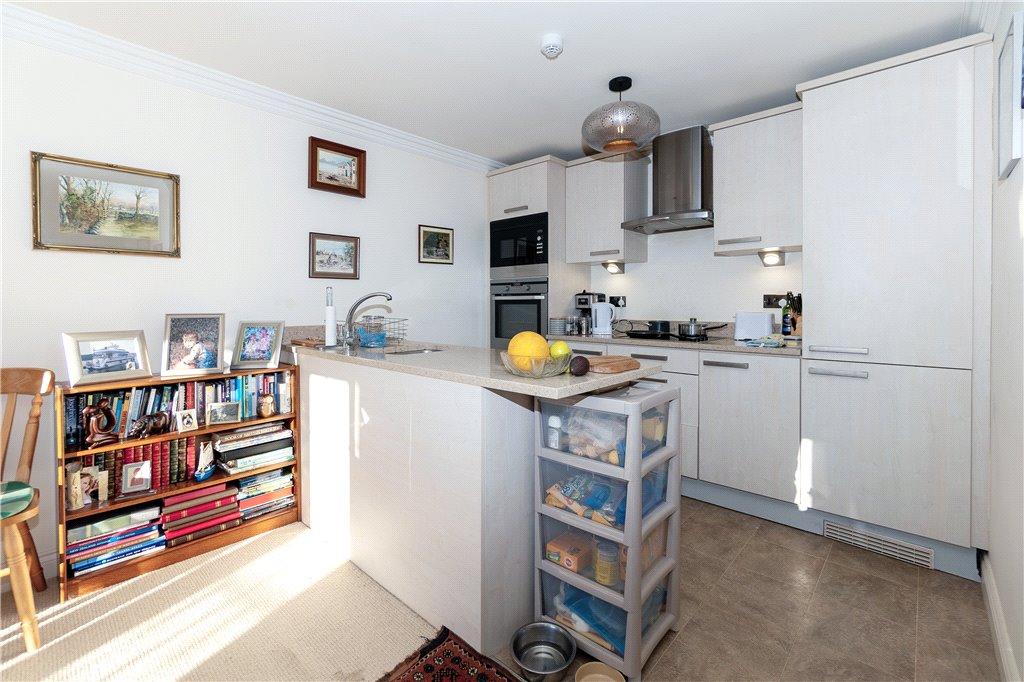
{"points": [[606, 252], [838, 349], [658, 381], [848, 373], [515, 209], [738, 240], [642, 356], [586, 352], [733, 365]]}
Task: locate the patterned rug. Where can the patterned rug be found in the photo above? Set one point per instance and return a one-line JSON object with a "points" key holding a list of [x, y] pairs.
{"points": [[447, 657]]}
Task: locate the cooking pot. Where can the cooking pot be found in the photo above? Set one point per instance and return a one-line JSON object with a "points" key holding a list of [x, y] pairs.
{"points": [[660, 326], [695, 328]]}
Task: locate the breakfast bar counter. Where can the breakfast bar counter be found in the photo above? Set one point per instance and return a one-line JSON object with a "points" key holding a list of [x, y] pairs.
{"points": [[419, 467]]}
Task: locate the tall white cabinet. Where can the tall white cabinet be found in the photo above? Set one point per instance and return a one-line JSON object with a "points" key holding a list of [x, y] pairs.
{"points": [[601, 193], [896, 222]]}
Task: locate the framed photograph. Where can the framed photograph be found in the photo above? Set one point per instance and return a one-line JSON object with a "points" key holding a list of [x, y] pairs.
{"points": [[80, 205], [223, 413], [437, 245], [1010, 103], [105, 356], [337, 168], [136, 477], [186, 420], [258, 345], [193, 344], [333, 256]]}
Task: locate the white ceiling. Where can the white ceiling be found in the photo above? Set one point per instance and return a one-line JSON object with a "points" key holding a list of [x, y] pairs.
{"points": [[471, 75]]}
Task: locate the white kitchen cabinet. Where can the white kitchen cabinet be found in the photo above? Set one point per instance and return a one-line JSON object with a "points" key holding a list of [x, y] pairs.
{"points": [[758, 182], [601, 194], [688, 416], [750, 422], [889, 214], [889, 445], [675, 360], [587, 348], [520, 190]]}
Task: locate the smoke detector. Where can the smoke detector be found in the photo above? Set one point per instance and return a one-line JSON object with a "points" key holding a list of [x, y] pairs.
{"points": [[551, 45]]}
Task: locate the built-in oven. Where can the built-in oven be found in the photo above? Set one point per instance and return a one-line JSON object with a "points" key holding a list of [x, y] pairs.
{"points": [[519, 248], [518, 307]]}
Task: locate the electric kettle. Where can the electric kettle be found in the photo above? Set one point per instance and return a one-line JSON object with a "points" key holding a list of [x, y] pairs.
{"points": [[603, 315]]}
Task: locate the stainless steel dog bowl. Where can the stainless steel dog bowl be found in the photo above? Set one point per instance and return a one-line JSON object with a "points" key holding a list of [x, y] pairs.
{"points": [[543, 651]]}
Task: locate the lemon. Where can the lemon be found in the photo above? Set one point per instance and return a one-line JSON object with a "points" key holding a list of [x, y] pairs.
{"points": [[525, 347], [559, 349]]}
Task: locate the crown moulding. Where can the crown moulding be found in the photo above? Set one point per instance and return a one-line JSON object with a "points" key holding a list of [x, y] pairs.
{"points": [[61, 36]]}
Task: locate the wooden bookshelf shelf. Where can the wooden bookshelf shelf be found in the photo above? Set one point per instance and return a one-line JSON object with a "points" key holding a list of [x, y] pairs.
{"points": [[174, 489], [174, 435], [94, 510], [97, 580]]}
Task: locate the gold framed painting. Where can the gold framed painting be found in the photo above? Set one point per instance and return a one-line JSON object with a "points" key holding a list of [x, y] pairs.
{"points": [[80, 205]]}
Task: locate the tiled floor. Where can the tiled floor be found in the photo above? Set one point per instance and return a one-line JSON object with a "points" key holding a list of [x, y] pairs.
{"points": [[762, 601]]}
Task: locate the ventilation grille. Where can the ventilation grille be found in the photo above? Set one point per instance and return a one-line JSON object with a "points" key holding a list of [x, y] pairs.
{"points": [[897, 549]]}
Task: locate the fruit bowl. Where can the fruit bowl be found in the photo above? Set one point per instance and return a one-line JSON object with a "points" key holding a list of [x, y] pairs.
{"points": [[534, 368]]}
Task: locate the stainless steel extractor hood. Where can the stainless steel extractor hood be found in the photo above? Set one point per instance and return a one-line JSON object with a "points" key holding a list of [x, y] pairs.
{"points": [[682, 183]]}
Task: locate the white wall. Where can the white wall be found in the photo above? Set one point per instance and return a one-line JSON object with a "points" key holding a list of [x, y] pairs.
{"points": [[245, 217], [1006, 533], [682, 278]]}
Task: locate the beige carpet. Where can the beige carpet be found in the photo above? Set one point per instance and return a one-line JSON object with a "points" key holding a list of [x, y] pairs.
{"points": [[275, 607]]}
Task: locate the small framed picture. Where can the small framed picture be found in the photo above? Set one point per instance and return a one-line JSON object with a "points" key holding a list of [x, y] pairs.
{"points": [[258, 345], [437, 245], [80, 205], [333, 256], [136, 477], [223, 413], [193, 344], [337, 167], [186, 420], [105, 356]]}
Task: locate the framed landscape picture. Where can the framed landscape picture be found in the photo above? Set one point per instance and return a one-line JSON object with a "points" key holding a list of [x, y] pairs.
{"points": [[336, 167], [105, 356], [258, 345], [437, 245], [193, 344], [333, 256], [81, 205]]}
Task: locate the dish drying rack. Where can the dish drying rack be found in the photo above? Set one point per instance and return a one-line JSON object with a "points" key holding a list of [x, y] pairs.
{"points": [[376, 331]]}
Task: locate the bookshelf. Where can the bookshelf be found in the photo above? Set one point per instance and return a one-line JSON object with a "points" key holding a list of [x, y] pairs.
{"points": [[76, 586]]}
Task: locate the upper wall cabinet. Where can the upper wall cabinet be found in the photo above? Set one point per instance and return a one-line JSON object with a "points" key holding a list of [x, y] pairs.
{"points": [[518, 190], [600, 195], [889, 207], [758, 182]]}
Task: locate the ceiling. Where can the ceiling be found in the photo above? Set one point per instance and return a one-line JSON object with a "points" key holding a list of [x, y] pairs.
{"points": [[470, 75]]}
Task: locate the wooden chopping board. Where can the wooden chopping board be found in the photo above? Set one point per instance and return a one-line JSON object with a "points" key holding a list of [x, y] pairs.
{"points": [[612, 364]]}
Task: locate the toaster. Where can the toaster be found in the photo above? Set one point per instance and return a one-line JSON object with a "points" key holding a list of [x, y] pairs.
{"points": [[753, 325]]}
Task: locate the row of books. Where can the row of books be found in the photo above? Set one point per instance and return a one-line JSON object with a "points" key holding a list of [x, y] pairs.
{"points": [[254, 447], [169, 462], [113, 540], [131, 404], [182, 518]]}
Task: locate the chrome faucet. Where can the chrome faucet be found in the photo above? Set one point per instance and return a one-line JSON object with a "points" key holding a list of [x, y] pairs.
{"points": [[348, 332]]}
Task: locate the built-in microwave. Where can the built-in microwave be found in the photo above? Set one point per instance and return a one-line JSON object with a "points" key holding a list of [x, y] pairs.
{"points": [[519, 248]]}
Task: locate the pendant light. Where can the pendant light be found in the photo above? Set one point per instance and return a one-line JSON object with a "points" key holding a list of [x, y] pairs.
{"points": [[621, 126]]}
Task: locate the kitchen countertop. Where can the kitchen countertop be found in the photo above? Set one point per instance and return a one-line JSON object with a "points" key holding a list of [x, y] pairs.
{"points": [[478, 367], [714, 343]]}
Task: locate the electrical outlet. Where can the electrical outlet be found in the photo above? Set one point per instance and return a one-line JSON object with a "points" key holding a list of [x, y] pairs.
{"points": [[774, 301], [617, 301]]}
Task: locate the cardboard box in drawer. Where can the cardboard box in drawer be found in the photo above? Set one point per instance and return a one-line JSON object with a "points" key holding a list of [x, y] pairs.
{"points": [[571, 551]]}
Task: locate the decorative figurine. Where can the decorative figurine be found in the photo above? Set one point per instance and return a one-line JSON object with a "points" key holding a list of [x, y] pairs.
{"points": [[265, 405], [100, 424], [151, 425]]}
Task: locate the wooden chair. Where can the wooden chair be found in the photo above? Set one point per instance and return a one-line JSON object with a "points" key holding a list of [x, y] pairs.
{"points": [[20, 501]]}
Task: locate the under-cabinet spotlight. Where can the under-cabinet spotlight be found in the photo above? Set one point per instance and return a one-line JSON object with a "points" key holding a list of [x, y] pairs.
{"points": [[615, 267], [771, 259]]}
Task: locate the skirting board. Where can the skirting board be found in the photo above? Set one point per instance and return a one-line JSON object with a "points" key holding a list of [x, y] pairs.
{"points": [[1009, 671], [961, 561]]}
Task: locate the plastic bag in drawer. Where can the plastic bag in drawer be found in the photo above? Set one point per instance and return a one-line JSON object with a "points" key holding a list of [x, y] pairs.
{"points": [[597, 435]]}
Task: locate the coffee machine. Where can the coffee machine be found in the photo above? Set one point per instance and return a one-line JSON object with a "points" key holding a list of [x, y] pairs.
{"points": [[584, 302]]}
